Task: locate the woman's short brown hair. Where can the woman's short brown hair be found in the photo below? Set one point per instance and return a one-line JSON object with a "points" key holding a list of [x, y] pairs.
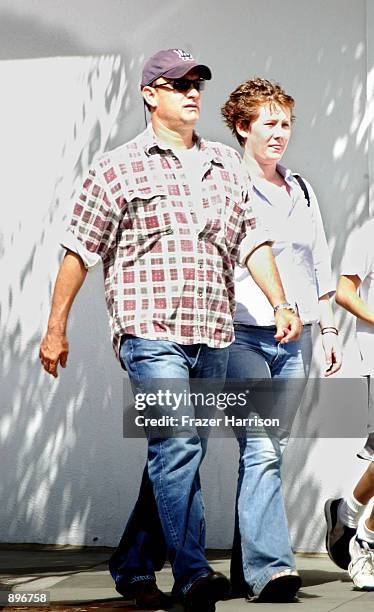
{"points": [[245, 102]]}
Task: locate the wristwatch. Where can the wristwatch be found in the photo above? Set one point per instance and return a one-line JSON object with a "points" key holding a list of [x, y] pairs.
{"points": [[286, 306]]}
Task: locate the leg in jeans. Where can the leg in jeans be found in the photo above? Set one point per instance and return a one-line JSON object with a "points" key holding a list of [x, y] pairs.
{"points": [[142, 548], [261, 521], [173, 467]]}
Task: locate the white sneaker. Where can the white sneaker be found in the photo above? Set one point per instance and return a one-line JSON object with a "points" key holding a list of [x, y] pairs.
{"points": [[361, 567]]}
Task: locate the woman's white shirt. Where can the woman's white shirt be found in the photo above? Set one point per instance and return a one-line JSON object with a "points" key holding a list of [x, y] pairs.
{"points": [[300, 250]]}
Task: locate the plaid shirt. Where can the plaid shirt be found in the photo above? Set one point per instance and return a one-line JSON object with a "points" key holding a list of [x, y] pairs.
{"points": [[168, 271]]}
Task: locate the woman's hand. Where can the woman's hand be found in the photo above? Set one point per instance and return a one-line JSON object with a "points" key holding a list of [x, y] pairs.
{"points": [[333, 353]]}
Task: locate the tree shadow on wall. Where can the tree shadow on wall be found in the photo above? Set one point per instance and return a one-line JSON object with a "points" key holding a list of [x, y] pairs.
{"points": [[61, 438]]}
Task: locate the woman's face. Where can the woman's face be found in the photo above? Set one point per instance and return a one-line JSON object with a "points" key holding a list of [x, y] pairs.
{"points": [[267, 137]]}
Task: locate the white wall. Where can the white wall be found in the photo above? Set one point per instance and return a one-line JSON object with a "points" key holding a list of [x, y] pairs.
{"points": [[369, 116], [70, 74]]}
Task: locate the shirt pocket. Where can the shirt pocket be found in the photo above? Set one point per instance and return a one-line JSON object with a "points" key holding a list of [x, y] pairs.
{"points": [[146, 221], [148, 211], [234, 216]]}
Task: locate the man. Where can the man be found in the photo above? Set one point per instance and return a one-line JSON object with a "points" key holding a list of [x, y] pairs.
{"points": [[350, 538], [166, 214]]}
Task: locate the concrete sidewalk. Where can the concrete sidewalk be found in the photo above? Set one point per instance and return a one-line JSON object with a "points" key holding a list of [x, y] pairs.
{"points": [[77, 581]]}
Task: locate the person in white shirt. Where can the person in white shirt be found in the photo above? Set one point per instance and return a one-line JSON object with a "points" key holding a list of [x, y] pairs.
{"points": [[350, 537], [260, 114]]}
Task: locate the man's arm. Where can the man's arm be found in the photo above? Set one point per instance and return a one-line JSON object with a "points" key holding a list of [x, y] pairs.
{"points": [[347, 296], [54, 347], [263, 269]]}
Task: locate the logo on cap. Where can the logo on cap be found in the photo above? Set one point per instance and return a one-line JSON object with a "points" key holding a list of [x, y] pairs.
{"points": [[183, 55]]}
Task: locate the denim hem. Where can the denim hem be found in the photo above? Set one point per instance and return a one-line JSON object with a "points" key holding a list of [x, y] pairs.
{"points": [[144, 578], [128, 578], [262, 581], [199, 574]]}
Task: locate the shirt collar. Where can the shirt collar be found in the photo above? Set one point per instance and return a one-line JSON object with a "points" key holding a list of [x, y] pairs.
{"points": [[286, 173], [283, 171], [151, 145], [289, 179]]}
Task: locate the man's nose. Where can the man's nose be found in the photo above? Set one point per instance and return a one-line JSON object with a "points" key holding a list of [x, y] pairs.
{"points": [[193, 92]]}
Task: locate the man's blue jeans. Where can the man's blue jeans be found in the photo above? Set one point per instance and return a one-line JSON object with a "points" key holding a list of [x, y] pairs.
{"points": [[171, 481], [262, 545]]}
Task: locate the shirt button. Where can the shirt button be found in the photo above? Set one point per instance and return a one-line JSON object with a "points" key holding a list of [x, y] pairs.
{"points": [[200, 293], [201, 265]]}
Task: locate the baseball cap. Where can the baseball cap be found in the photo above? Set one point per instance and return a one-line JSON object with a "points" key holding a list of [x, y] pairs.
{"points": [[172, 63]]}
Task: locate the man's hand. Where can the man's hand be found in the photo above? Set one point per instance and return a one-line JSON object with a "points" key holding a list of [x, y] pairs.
{"points": [[54, 349], [333, 353], [288, 326]]}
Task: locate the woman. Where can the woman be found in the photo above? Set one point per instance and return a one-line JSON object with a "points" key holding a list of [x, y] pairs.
{"points": [[260, 115]]}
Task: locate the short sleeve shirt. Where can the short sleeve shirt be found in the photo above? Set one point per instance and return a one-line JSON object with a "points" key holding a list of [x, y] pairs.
{"points": [[300, 249], [168, 272]]}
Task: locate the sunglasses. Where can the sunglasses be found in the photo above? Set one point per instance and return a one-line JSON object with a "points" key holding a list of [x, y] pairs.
{"points": [[184, 84]]}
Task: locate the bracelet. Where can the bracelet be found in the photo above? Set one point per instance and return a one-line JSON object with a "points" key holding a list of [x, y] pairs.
{"points": [[286, 306], [329, 330]]}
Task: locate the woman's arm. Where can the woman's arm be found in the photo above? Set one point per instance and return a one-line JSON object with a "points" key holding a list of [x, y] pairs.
{"points": [[263, 269], [330, 339]]}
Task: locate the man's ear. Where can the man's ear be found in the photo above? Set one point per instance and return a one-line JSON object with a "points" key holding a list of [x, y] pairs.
{"points": [[150, 95], [242, 128]]}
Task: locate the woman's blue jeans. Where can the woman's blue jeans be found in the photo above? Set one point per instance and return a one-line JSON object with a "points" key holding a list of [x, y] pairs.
{"points": [[262, 545], [170, 507]]}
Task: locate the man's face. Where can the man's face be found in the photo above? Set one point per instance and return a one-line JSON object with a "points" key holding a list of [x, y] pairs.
{"points": [[175, 109]]}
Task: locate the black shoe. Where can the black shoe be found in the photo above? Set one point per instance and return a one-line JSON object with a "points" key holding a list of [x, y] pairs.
{"points": [[281, 589], [240, 590], [338, 535], [205, 592], [146, 594]]}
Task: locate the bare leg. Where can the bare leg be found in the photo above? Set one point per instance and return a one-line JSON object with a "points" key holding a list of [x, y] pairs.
{"points": [[370, 520], [364, 489], [361, 547]]}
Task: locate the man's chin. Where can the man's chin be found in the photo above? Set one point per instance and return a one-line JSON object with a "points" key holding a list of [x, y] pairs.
{"points": [[191, 117]]}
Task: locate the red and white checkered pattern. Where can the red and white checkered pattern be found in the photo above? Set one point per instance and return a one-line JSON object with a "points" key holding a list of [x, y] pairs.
{"points": [[168, 271]]}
